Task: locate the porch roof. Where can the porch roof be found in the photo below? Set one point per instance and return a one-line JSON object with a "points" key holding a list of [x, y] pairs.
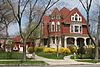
{"points": [[75, 35]]}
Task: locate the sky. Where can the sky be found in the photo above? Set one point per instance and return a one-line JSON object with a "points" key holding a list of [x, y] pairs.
{"points": [[71, 4]]}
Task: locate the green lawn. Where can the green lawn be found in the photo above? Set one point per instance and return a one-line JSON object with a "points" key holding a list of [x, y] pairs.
{"points": [[90, 61], [50, 55], [24, 62], [10, 55]]}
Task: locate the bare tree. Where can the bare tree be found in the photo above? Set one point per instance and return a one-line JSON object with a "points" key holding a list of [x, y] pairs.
{"points": [[24, 5], [6, 18], [87, 9]]}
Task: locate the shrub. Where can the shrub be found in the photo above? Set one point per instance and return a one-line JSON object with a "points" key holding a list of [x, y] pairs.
{"points": [[90, 52], [49, 50], [67, 51], [73, 48], [39, 49], [91, 46], [61, 50], [30, 49], [64, 50]]}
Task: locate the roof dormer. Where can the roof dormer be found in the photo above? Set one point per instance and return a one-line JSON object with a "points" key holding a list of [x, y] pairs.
{"points": [[76, 17]]}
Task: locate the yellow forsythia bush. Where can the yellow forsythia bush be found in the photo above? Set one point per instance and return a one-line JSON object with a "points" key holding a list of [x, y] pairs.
{"points": [[91, 46], [61, 50], [49, 50], [64, 50], [67, 51]]}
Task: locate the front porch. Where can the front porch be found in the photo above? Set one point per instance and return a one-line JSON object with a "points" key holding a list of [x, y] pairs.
{"points": [[78, 41]]}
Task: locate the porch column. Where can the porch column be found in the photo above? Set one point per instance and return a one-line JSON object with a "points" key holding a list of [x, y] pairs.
{"points": [[85, 41], [55, 41], [65, 44], [75, 43]]}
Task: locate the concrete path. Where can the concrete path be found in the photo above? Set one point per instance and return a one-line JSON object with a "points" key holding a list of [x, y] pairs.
{"points": [[66, 60]]}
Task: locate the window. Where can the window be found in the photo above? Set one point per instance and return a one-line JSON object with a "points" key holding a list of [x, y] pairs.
{"points": [[53, 40], [53, 27], [75, 28], [58, 26], [15, 48], [76, 17], [48, 28], [57, 17], [71, 28]]}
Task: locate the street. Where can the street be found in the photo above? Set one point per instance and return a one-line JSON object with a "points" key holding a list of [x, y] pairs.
{"points": [[93, 65]]}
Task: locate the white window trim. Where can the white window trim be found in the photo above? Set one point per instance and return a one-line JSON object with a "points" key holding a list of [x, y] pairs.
{"points": [[74, 28], [77, 17], [15, 48], [58, 23], [53, 23]]}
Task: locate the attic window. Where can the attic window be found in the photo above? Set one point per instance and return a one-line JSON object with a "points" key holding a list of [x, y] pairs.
{"points": [[76, 17]]}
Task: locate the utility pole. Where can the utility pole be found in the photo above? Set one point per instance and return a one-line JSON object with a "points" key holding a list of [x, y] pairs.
{"points": [[98, 36]]}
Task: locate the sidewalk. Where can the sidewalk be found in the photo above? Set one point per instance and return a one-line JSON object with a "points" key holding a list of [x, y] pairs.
{"points": [[66, 61]]}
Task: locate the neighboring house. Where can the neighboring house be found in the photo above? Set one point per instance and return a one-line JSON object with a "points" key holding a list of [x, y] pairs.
{"points": [[65, 28], [18, 45]]}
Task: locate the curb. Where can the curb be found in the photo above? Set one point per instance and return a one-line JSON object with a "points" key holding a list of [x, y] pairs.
{"points": [[23, 64]]}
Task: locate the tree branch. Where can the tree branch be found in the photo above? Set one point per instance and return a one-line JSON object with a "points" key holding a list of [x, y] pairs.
{"points": [[24, 7], [83, 5], [39, 20], [12, 9]]}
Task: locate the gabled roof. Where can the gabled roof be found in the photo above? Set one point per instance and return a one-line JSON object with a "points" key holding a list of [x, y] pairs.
{"points": [[72, 12], [64, 12], [17, 38], [55, 11]]}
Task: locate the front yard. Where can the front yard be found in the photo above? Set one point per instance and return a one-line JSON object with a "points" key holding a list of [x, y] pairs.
{"points": [[10, 55]]}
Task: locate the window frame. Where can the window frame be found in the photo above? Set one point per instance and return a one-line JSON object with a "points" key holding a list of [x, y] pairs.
{"points": [[58, 26], [72, 28]]}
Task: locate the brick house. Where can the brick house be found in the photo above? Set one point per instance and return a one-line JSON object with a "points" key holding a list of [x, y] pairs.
{"points": [[65, 28]]}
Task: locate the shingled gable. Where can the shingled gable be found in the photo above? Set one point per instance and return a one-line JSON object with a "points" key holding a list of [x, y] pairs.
{"points": [[71, 13], [64, 12]]}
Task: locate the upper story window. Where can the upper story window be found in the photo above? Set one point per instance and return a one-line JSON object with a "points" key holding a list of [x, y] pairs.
{"points": [[57, 17], [52, 17], [76, 28], [48, 28], [58, 26], [53, 27], [76, 17]]}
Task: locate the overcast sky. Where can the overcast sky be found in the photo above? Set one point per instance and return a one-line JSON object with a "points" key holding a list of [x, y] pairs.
{"points": [[71, 4]]}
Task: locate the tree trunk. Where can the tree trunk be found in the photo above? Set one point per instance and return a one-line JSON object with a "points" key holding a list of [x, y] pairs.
{"points": [[24, 50], [6, 36]]}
